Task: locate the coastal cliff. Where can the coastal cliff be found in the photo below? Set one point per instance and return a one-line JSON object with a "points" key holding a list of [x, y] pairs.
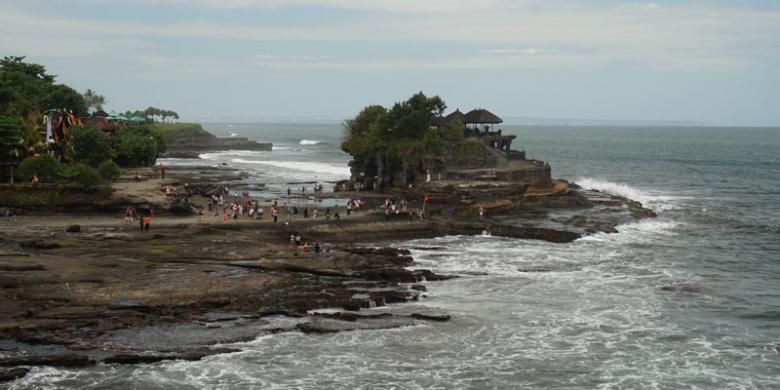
{"points": [[190, 139]]}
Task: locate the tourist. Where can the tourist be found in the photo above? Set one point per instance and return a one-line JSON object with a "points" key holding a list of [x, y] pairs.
{"points": [[306, 213], [349, 207], [10, 214], [147, 222], [315, 213], [200, 214], [129, 215], [275, 213], [336, 216], [162, 172], [141, 222], [305, 247], [298, 239], [292, 238], [260, 213], [317, 248], [327, 214], [289, 192], [481, 212]]}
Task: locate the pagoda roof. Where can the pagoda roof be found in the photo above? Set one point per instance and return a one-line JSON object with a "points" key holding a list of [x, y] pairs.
{"points": [[481, 116]]}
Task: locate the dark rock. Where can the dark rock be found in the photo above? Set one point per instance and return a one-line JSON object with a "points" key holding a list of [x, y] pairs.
{"points": [[352, 317], [39, 244], [21, 267], [390, 252], [431, 317], [67, 360], [590, 225], [309, 327], [353, 306], [9, 374], [180, 154], [73, 229], [193, 355], [180, 206], [137, 359]]}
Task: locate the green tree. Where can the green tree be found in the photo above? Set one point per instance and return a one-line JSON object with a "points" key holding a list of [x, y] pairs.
{"points": [[91, 146], [139, 145], [93, 100], [63, 96], [82, 176], [109, 170], [45, 167], [11, 139], [21, 86], [26, 87]]}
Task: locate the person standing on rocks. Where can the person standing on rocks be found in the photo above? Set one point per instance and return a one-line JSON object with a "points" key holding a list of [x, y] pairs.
{"points": [[317, 248], [147, 222], [481, 212], [275, 213]]}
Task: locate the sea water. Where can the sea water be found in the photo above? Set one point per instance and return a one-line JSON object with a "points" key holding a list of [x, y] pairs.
{"points": [[690, 299]]}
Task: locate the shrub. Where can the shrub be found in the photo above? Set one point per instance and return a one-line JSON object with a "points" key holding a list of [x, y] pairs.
{"points": [[136, 149], [46, 167], [90, 146], [83, 176], [108, 170]]}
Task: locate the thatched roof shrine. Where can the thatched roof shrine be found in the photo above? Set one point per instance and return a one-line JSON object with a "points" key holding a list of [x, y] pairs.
{"points": [[481, 116]]}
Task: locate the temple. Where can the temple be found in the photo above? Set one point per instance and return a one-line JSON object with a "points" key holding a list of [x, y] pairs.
{"points": [[480, 123]]}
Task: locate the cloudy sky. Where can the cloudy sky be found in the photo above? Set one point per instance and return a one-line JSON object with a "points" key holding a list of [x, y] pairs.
{"points": [[708, 61]]}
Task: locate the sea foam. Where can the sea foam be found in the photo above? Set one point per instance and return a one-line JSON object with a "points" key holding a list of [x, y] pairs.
{"points": [[656, 200]]}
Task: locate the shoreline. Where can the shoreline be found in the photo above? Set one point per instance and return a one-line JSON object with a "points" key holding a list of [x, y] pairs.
{"points": [[94, 291]]}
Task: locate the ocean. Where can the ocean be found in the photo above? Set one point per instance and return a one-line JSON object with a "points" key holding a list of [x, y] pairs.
{"points": [[689, 300]]}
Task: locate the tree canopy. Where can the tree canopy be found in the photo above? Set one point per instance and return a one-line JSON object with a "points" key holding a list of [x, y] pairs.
{"points": [[93, 100], [379, 130], [26, 88]]}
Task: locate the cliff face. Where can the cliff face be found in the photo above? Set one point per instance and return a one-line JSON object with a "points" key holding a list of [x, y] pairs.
{"points": [[465, 162], [212, 143], [184, 138]]}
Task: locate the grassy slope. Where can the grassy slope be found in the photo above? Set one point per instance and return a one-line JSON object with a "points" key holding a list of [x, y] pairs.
{"points": [[174, 131]]}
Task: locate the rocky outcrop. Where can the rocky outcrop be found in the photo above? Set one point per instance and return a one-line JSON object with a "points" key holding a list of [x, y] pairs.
{"points": [[10, 374], [177, 146], [66, 360], [149, 358]]}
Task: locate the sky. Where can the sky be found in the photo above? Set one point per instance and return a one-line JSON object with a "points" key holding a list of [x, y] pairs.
{"points": [[714, 62]]}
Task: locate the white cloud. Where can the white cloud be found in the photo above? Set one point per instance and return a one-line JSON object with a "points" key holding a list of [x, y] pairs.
{"points": [[401, 6], [510, 32], [529, 51]]}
